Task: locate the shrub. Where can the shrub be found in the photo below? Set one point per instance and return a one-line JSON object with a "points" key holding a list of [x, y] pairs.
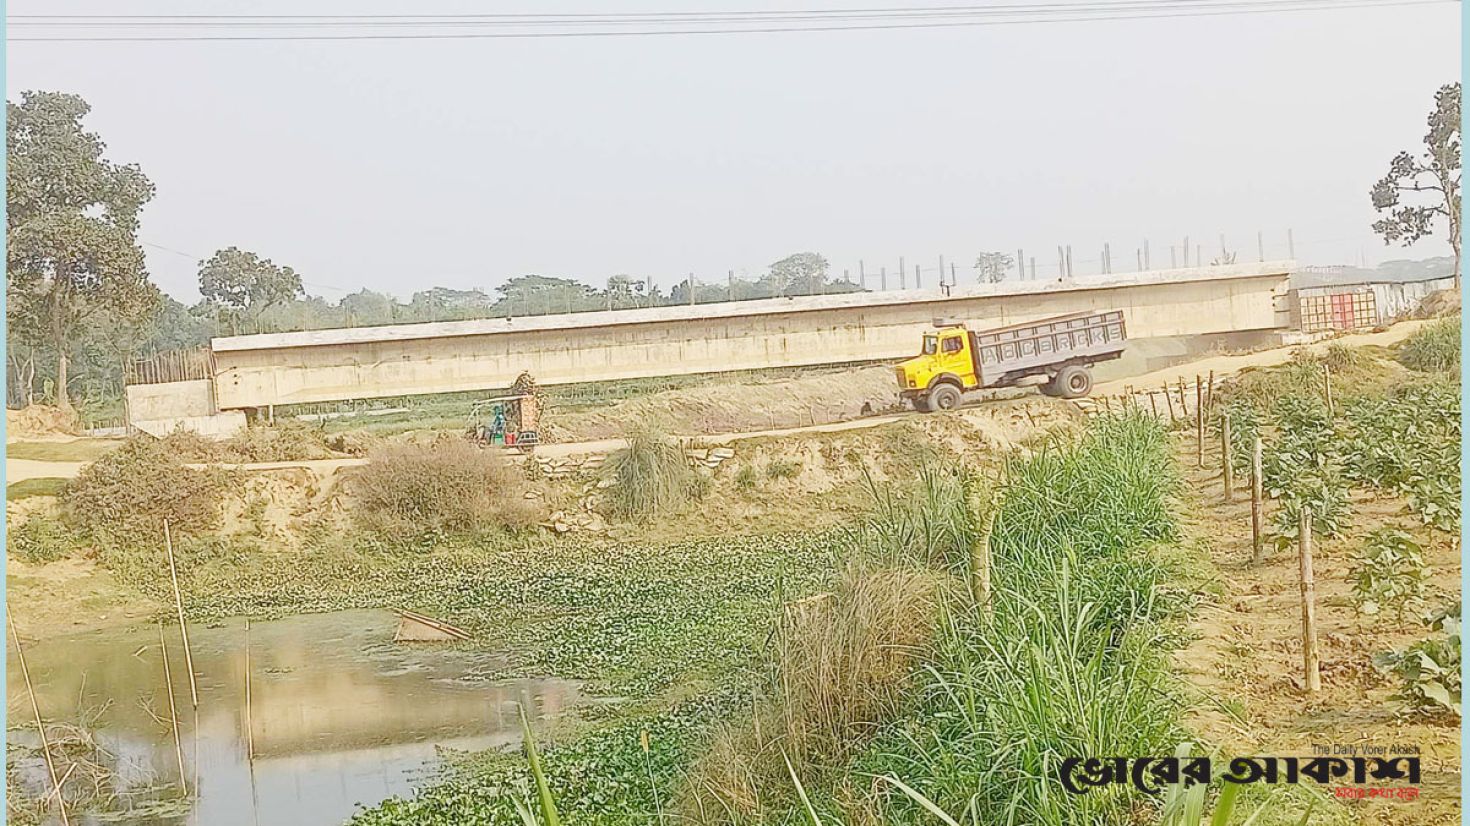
{"points": [[746, 478], [284, 440], [1434, 347], [651, 476], [1388, 572], [446, 487], [840, 668], [1429, 670], [39, 539], [126, 495], [782, 469]]}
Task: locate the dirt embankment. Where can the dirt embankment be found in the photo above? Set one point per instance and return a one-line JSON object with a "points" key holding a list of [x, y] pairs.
{"points": [[39, 421], [740, 406]]}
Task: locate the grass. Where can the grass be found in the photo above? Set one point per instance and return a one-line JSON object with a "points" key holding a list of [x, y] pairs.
{"points": [[37, 486], [651, 476], [76, 450], [1070, 659], [1434, 347], [408, 492]]}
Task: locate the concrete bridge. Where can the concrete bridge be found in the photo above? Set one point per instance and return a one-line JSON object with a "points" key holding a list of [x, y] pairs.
{"points": [[260, 371]]}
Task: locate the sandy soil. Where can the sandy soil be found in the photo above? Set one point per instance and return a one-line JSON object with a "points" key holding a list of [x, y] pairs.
{"points": [[1247, 651], [69, 596], [1228, 365]]}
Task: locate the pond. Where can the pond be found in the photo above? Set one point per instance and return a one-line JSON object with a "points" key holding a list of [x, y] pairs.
{"points": [[339, 716]]}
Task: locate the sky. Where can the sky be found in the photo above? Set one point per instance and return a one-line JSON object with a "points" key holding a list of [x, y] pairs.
{"points": [[401, 165]]}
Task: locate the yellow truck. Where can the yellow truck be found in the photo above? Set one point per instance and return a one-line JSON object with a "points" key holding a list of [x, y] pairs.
{"points": [[955, 359]]}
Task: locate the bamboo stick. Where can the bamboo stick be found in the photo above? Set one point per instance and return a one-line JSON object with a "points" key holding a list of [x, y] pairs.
{"points": [[173, 573], [1199, 422], [173, 712], [249, 723], [1227, 473], [1310, 665], [1327, 388], [1257, 537], [25, 672]]}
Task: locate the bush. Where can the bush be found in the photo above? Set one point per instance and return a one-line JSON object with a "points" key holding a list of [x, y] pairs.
{"points": [[1388, 572], [841, 665], [1434, 347], [651, 476], [39, 539], [1429, 670], [126, 495], [446, 487]]}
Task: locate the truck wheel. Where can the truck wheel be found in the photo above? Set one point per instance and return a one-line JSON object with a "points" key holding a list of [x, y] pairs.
{"points": [[944, 397], [1073, 382]]}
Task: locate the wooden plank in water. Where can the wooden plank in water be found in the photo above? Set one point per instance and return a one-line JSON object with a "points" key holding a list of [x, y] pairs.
{"points": [[415, 627]]}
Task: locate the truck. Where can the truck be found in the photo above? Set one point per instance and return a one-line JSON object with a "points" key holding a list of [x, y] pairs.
{"points": [[955, 359]]}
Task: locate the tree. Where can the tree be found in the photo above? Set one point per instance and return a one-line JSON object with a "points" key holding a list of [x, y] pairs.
{"points": [[992, 267], [624, 291], [71, 224], [242, 285], [804, 273], [1436, 174]]}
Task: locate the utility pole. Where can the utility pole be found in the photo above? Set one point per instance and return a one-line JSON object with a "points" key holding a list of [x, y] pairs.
{"points": [[691, 289], [903, 274], [1290, 244], [883, 274], [1020, 264], [862, 275], [1146, 263], [1260, 246], [1069, 261]]}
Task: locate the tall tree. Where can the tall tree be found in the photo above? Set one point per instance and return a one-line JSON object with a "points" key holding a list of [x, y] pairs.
{"points": [[71, 227], [1433, 178], [241, 285], [804, 273], [992, 267]]}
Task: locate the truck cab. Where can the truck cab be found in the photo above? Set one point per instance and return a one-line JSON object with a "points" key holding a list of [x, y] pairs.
{"points": [[946, 360]]}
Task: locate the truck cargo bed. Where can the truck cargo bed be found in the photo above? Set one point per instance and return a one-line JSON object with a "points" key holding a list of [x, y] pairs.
{"points": [[1010, 353]]}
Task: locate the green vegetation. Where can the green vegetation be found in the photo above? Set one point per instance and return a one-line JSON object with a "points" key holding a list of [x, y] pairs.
{"points": [[39, 538], [125, 497], [75, 450], [893, 670], [1388, 573], [1433, 348], [1070, 658], [421, 493], [651, 476], [1429, 670], [1408, 442], [782, 469], [38, 486]]}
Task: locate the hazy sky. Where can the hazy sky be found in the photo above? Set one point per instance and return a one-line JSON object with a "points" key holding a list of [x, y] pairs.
{"points": [[402, 165]]}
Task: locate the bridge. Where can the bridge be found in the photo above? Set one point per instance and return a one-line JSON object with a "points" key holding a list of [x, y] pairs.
{"points": [[263, 371]]}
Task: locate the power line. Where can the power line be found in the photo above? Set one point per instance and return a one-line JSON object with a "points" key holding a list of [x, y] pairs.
{"points": [[1021, 15], [634, 18]]}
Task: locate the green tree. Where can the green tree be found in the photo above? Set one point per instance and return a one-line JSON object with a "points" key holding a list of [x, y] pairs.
{"points": [[993, 267], [241, 285], [71, 228], [804, 273], [1434, 180], [624, 291]]}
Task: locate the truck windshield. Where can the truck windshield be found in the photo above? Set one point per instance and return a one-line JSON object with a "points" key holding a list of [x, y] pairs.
{"points": [[931, 345]]}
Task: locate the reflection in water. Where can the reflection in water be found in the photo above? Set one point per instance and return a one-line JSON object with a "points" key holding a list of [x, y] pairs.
{"points": [[339, 715]]}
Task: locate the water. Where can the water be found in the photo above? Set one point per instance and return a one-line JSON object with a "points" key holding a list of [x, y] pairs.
{"points": [[340, 716]]}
